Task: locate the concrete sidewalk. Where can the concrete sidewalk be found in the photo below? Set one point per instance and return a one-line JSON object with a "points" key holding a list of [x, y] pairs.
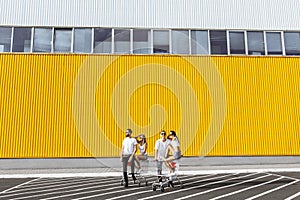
{"points": [[67, 167]]}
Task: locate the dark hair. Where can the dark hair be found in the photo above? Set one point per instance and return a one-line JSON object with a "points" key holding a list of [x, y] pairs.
{"points": [[163, 132], [173, 133], [128, 132]]}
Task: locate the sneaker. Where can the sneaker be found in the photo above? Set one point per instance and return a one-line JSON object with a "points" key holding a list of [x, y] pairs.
{"points": [[171, 184]]}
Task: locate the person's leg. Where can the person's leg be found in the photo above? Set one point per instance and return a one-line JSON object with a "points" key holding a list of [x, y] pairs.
{"points": [[137, 158], [125, 162], [159, 171], [132, 168]]}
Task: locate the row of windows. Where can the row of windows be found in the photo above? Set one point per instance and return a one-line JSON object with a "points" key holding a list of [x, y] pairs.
{"points": [[148, 41]]}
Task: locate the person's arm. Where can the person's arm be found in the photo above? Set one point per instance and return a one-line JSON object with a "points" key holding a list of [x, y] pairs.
{"points": [[156, 155], [156, 151], [134, 151], [146, 146], [121, 154]]}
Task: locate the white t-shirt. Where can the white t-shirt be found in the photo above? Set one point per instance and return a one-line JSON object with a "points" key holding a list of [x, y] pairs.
{"points": [[128, 145], [161, 148]]}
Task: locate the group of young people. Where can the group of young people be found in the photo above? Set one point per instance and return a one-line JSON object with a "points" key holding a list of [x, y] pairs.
{"points": [[167, 149]]}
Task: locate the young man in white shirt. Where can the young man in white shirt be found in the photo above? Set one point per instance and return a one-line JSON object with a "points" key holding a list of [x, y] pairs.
{"points": [[128, 150], [161, 146]]}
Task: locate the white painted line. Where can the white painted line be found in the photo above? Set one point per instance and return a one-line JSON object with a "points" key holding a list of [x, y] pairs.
{"points": [[285, 176], [53, 184], [59, 187], [218, 188], [115, 174], [133, 194], [17, 186], [58, 192], [169, 193], [293, 196], [61, 175], [79, 193], [245, 189], [272, 190], [47, 180], [98, 195]]}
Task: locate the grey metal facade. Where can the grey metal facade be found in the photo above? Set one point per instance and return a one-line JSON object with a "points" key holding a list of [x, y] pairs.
{"points": [[196, 14]]}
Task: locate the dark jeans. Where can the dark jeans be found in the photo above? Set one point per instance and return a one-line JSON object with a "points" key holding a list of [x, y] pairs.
{"points": [[125, 162]]}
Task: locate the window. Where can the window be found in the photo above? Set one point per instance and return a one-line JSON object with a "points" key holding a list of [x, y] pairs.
{"points": [[161, 41], [199, 42], [180, 42], [82, 40], [292, 43], [122, 41], [22, 40], [218, 42], [237, 42], [62, 40], [5, 39], [42, 40], [256, 45], [102, 40], [274, 43], [141, 41]]}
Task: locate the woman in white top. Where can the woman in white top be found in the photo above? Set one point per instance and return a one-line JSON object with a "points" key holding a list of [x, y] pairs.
{"points": [[143, 150], [174, 147]]}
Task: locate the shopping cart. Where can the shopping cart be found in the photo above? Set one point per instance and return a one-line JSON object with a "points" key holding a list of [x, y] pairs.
{"points": [[169, 177], [139, 173]]}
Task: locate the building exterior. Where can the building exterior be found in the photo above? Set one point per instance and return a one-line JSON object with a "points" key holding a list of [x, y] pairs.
{"points": [[74, 74]]}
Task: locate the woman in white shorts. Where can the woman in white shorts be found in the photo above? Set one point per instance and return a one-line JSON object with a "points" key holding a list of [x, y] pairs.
{"points": [[143, 150], [174, 147]]}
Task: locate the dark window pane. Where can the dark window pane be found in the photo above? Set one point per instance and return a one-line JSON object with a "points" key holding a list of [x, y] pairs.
{"points": [[22, 40], [122, 41], [161, 42], [62, 40], [237, 43], [82, 40], [42, 39], [292, 43], [102, 40], [5, 39], [274, 44], [199, 42], [256, 45], [218, 42], [141, 41]]}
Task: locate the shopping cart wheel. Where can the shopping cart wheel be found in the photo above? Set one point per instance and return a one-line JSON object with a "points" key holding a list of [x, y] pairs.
{"points": [[162, 189], [153, 187], [146, 183], [181, 186]]}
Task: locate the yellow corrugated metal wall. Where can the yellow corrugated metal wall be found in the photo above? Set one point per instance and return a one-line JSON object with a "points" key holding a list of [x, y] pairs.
{"points": [[78, 105]]}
